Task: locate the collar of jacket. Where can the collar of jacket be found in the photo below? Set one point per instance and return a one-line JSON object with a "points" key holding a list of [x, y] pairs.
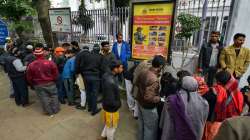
{"points": [[102, 53], [154, 70]]}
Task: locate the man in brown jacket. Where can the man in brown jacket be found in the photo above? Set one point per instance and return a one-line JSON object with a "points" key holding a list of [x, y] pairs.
{"points": [[148, 98], [236, 58]]}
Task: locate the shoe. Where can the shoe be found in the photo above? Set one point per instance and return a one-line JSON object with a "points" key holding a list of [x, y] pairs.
{"points": [[102, 138], [28, 104], [136, 118], [71, 104], [12, 96], [62, 101], [96, 112], [51, 116], [89, 109], [80, 107]]}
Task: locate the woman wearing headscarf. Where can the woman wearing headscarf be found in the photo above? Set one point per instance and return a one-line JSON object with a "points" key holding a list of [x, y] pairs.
{"points": [[185, 113], [225, 101]]}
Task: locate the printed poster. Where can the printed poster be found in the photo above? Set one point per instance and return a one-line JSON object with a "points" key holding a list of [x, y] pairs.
{"points": [[151, 33]]}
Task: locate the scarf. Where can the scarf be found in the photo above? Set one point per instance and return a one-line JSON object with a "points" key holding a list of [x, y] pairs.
{"points": [[183, 128], [229, 100]]}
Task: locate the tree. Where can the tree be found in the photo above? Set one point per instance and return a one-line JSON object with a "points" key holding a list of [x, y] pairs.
{"points": [[15, 9], [189, 24], [17, 13], [84, 19], [42, 7], [122, 3]]}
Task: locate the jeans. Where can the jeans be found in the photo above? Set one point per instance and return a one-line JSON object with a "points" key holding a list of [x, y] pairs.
{"points": [[148, 123], [61, 89], [69, 87], [20, 90], [92, 89], [48, 98]]}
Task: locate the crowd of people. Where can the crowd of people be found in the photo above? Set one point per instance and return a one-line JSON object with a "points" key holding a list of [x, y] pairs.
{"points": [[184, 106]]}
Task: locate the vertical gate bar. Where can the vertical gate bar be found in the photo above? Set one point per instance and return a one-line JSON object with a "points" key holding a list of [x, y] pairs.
{"points": [[222, 15], [217, 14], [198, 9], [210, 20]]}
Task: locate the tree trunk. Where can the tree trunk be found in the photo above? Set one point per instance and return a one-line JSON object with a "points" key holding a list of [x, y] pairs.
{"points": [[42, 7]]}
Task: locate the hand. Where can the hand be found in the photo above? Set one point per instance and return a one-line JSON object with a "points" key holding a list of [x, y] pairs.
{"points": [[163, 100]]}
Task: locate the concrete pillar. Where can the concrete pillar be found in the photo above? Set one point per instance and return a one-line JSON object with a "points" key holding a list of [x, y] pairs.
{"points": [[240, 21]]}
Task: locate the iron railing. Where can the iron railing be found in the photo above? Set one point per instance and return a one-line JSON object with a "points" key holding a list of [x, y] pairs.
{"points": [[106, 25]]}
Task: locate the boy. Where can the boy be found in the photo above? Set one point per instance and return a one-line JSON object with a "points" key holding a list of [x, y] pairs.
{"points": [[68, 75], [111, 100]]}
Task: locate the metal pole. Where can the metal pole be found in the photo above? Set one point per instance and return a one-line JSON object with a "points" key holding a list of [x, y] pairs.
{"points": [[109, 17], [114, 19], [203, 22]]}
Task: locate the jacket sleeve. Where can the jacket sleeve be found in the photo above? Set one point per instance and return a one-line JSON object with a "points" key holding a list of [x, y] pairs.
{"points": [[149, 95], [226, 132], [54, 71], [247, 61], [222, 59], [72, 67], [113, 48], [77, 64], [29, 75], [19, 65], [201, 57], [128, 51]]}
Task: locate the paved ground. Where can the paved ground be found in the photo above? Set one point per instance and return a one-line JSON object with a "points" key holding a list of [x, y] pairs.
{"points": [[18, 123]]}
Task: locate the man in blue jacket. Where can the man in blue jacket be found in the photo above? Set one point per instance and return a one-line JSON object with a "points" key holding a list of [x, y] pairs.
{"points": [[121, 50]]}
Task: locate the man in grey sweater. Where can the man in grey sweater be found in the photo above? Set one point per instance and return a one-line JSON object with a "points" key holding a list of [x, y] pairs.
{"points": [[16, 71]]}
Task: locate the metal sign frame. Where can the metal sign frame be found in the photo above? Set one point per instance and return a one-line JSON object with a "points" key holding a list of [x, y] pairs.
{"points": [[171, 37], [66, 8]]}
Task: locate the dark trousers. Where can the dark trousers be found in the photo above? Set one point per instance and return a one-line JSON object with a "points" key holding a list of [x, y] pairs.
{"points": [[48, 98], [60, 87], [20, 90], [92, 89], [211, 72], [69, 87]]}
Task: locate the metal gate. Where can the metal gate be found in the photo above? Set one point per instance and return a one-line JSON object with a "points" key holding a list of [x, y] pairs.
{"points": [[105, 24]]}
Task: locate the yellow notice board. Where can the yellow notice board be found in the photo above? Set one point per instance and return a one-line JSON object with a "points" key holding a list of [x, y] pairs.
{"points": [[151, 29]]}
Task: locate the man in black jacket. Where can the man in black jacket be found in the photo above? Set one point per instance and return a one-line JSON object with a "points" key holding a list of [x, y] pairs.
{"points": [[209, 57], [111, 100], [107, 56], [16, 71], [89, 65]]}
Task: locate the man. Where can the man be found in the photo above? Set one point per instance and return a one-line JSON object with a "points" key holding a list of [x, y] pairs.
{"points": [[16, 71], [107, 56], [75, 46], [68, 76], [60, 60], [148, 97], [111, 100], [236, 58], [237, 128], [89, 65], [138, 36], [209, 57], [121, 50], [42, 75], [29, 57]]}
